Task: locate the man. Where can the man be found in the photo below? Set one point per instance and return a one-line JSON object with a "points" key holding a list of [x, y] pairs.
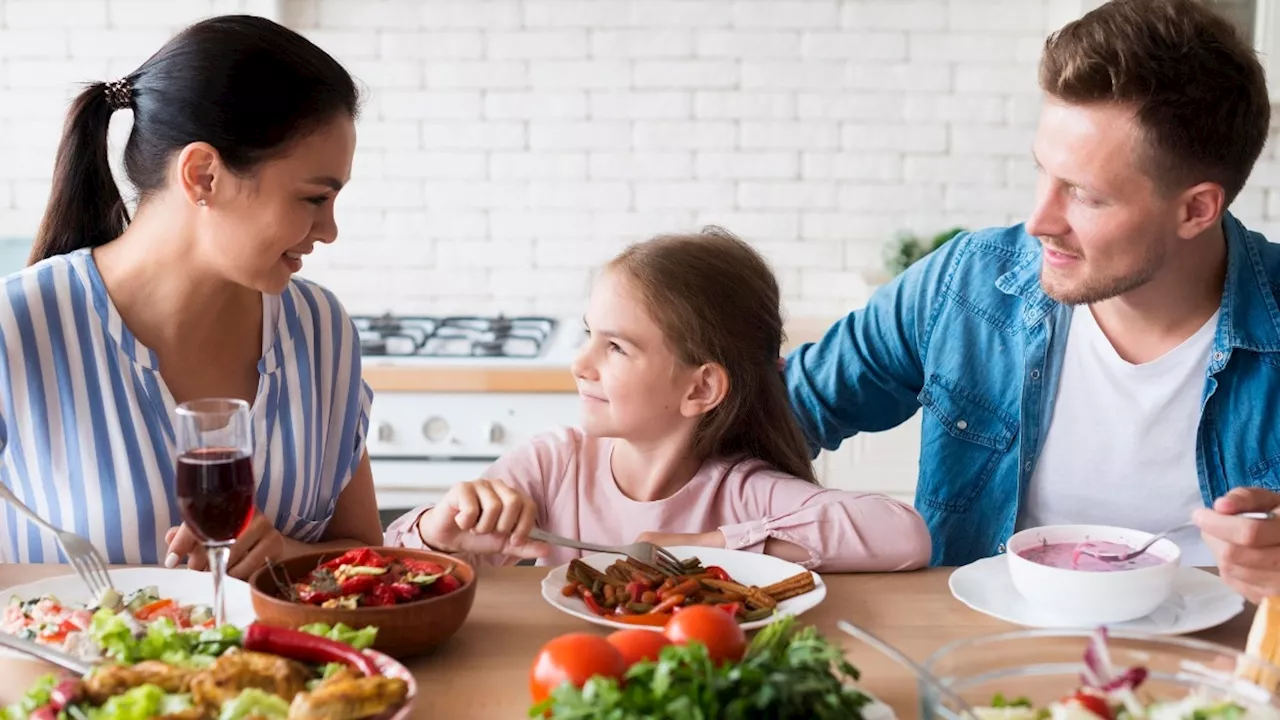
{"points": [[1115, 359]]}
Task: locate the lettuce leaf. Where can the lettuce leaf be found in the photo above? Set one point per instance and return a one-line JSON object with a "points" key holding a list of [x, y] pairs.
{"points": [[361, 639], [255, 703]]}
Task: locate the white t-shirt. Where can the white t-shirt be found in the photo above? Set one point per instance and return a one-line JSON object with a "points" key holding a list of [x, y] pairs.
{"points": [[1121, 445]]}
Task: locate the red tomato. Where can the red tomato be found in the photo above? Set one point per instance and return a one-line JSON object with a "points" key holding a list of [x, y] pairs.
{"points": [[575, 657], [174, 613], [711, 626], [636, 645]]}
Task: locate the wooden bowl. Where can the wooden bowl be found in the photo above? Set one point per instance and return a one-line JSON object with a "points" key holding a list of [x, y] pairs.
{"points": [[404, 630]]}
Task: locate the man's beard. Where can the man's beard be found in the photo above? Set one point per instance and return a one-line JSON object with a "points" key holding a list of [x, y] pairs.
{"points": [[1096, 289]]}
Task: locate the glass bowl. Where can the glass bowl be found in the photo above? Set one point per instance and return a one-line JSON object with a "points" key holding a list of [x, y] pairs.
{"points": [[1044, 666]]}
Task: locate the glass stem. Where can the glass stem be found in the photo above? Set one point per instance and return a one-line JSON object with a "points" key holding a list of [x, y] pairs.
{"points": [[218, 555]]}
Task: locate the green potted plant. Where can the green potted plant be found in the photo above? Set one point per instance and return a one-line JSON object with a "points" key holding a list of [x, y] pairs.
{"points": [[906, 248]]}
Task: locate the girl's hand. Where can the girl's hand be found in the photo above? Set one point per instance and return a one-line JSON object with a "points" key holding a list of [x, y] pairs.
{"points": [[484, 517], [259, 542], [711, 538]]}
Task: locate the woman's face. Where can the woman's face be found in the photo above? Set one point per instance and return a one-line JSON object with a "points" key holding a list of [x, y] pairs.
{"points": [[259, 228]]}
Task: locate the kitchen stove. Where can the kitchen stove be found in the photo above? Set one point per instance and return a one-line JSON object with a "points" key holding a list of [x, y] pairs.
{"points": [[422, 442], [455, 336]]}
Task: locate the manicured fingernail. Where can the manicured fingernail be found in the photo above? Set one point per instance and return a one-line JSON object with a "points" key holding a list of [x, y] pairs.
{"points": [[171, 560]]}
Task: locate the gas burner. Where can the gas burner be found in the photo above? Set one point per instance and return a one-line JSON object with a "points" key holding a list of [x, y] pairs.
{"points": [[456, 336], [488, 348], [387, 323], [372, 346]]}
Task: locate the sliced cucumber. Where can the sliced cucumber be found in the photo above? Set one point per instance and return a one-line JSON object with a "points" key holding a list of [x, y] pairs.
{"points": [[110, 599], [200, 614]]}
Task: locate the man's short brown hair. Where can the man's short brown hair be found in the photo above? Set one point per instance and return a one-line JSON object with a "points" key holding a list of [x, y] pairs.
{"points": [[1199, 92]]}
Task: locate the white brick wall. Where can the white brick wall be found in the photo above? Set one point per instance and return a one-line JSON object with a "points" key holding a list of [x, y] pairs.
{"points": [[508, 147]]}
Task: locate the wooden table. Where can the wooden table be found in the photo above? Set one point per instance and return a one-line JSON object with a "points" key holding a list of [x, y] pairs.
{"points": [[482, 672]]}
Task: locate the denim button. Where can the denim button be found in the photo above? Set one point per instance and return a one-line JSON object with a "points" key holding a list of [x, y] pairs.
{"points": [[1028, 466], [1001, 548], [1217, 356], [962, 424], [1035, 374]]}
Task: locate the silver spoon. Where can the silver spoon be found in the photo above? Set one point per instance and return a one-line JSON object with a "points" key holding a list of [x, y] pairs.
{"points": [[865, 635], [1086, 549]]}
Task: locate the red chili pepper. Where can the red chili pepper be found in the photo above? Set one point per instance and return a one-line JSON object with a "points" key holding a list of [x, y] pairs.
{"points": [[304, 647], [731, 608], [359, 585], [405, 592], [715, 572], [346, 558], [360, 556], [380, 595], [445, 585], [311, 596], [595, 607], [421, 567], [636, 589]]}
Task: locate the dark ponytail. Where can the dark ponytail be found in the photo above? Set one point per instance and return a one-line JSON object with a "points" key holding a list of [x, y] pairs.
{"points": [[244, 84], [85, 208]]}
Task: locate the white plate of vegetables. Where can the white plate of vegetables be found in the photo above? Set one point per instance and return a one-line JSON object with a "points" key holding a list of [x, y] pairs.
{"points": [[59, 611]]}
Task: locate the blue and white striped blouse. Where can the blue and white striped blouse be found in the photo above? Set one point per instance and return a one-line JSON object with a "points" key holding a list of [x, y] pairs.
{"points": [[85, 418]]}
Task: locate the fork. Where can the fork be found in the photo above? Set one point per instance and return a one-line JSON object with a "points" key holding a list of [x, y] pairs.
{"points": [[81, 554], [644, 552]]}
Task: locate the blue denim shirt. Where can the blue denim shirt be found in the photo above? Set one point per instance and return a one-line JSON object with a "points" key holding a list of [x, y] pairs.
{"points": [[967, 334]]}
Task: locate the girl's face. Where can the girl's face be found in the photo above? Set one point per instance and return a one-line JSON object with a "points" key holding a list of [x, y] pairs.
{"points": [[631, 383], [258, 229]]}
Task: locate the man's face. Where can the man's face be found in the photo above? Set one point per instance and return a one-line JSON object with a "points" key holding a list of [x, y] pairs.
{"points": [[1105, 227]]}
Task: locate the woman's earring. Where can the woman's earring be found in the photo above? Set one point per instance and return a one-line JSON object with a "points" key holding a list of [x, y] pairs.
{"points": [[201, 202]]}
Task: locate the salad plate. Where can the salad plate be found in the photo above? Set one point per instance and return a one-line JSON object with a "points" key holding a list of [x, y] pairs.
{"points": [[64, 600], [745, 568], [1199, 601]]}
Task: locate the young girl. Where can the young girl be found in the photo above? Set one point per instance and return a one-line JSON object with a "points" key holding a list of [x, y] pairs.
{"points": [[687, 437]]}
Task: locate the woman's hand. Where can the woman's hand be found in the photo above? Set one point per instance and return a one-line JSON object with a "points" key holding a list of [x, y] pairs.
{"points": [[260, 542], [484, 517]]}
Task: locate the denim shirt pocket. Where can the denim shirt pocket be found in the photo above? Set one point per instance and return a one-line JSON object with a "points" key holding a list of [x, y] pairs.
{"points": [[1266, 473], [968, 435]]}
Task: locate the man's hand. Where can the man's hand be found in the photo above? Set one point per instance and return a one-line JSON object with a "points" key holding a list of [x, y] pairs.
{"points": [[1247, 550]]}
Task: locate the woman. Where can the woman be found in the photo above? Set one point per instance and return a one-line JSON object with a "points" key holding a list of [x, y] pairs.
{"points": [[243, 134]]}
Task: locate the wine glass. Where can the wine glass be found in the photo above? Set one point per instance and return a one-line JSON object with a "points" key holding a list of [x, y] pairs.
{"points": [[215, 480]]}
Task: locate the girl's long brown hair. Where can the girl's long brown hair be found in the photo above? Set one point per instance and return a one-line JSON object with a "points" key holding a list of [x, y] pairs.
{"points": [[717, 301]]}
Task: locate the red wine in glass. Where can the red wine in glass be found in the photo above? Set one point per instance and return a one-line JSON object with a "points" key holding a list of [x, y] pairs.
{"points": [[215, 492], [214, 479]]}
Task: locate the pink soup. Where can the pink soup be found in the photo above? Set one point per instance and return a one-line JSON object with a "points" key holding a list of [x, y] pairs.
{"points": [[1069, 555]]}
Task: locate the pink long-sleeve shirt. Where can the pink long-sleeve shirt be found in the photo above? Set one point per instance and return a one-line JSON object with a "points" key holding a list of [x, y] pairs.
{"points": [[568, 475]]}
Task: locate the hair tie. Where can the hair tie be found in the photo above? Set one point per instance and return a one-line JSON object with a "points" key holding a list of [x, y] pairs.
{"points": [[119, 94]]}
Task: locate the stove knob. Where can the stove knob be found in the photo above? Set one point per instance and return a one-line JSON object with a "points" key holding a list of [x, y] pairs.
{"points": [[385, 432], [436, 429], [496, 433]]}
